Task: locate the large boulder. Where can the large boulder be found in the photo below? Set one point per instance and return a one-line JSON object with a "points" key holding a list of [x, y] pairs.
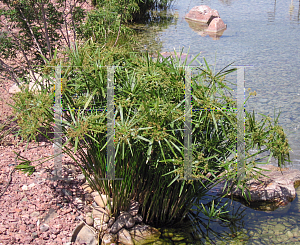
{"points": [[278, 186], [202, 14]]}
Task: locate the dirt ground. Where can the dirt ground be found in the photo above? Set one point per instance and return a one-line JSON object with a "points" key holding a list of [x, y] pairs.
{"points": [[36, 209]]}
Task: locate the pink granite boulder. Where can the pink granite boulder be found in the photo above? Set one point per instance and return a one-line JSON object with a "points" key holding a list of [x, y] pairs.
{"points": [[216, 25], [202, 14]]}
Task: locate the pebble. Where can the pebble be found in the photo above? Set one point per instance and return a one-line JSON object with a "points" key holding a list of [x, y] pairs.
{"points": [[34, 235], [89, 219], [80, 177], [44, 227]]}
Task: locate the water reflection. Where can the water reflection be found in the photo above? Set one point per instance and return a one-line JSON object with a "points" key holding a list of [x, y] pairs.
{"points": [[294, 16], [271, 14], [200, 28]]}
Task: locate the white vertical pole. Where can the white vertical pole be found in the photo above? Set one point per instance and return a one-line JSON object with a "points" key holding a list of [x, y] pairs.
{"points": [[57, 146]]}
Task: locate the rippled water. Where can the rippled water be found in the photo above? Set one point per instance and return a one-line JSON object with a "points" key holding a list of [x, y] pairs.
{"points": [[266, 36], [263, 34]]}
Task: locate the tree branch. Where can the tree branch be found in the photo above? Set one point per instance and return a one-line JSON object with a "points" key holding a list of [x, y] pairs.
{"points": [[46, 30], [32, 35]]}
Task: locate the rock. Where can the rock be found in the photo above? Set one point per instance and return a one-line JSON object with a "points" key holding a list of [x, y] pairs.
{"points": [[109, 239], [289, 234], [201, 29], [216, 25], [84, 235], [128, 219], [44, 227], [277, 187], [177, 238], [66, 192], [124, 220], [143, 234], [163, 241], [86, 187], [124, 237], [100, 214], [100, 227], [101, 200], [80, 177], [134, 208], [89, 219], [138, 218], [111, 222], [202, 14]]}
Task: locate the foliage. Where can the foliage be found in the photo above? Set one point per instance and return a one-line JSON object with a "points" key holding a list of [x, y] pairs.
{"points": [[33, 29], [149, 120]]}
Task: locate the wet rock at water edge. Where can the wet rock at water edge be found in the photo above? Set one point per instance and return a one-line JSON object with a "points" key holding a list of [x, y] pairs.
{"points": [[277, 187], [143, 234], [124, 237]]}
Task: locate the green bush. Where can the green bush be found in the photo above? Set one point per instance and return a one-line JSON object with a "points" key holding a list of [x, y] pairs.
{"points": [[149, 137]]}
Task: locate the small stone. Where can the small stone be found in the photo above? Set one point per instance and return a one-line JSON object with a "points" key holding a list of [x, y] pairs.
{"points": [[34, 235], [177, 238], [100, 200], [102, 227], [101, 213], [86, 187], [89, 219], [80, 177], [44, 227], [289, 234], [124, 237], [111, 222], [24, 187], [34, 214], [66, 192], [31, 185], [108, 239]]}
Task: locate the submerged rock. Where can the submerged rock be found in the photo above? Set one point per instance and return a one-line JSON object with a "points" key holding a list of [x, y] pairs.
{"points": [[124, 237], [143, 234], [277, 187]]}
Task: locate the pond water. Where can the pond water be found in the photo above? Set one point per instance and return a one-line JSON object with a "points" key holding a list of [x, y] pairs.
{"points": [[263, 35], [266, 36]]}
